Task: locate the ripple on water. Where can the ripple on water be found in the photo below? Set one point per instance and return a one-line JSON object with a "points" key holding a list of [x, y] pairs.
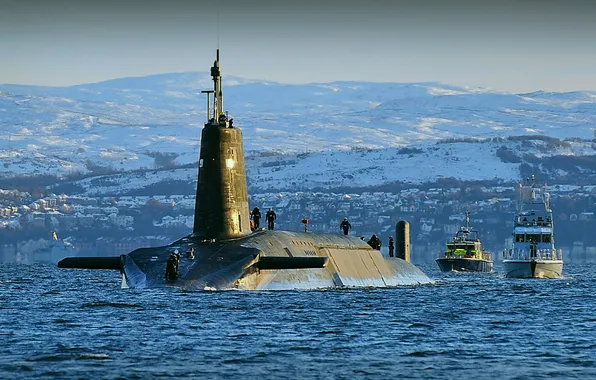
{"points": [[109, 304], [86, 326], [93, 357]]}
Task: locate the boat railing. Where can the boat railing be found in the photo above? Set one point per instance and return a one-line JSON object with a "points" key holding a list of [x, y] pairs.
{"points": [[538, 254], [447, 255]]}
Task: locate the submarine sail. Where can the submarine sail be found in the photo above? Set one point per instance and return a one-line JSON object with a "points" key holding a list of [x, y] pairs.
{"points": [[221, 205], [223, 253]]}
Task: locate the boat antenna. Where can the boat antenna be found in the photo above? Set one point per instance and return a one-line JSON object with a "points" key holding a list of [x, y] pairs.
{"points": [[467, 218]]}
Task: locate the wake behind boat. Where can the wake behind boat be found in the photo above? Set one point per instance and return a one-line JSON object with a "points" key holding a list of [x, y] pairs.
{"points": [[533, 254], [465, 253]]}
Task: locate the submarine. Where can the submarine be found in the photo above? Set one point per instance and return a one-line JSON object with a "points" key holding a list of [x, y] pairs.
{"points": [[223, 253]]}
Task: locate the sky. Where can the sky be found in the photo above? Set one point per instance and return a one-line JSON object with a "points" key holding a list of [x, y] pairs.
{"points": [[506, 45]]}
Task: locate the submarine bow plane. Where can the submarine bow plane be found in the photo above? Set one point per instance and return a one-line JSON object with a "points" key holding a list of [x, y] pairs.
{"points": [[223, 253]]}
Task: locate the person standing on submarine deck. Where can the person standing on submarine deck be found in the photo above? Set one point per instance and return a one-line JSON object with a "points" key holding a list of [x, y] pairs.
{"points": [[256, 217], [391, 246], [375, 242], [270, 216], [345, 225]]}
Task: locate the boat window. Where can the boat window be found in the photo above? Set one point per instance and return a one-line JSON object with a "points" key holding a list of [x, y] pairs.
{"points": [[465, 247], [534, 238], [546, 239], [519, 238]]}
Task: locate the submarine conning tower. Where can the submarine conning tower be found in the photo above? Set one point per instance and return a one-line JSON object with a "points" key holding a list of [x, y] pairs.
{"points": [[221, 205]]}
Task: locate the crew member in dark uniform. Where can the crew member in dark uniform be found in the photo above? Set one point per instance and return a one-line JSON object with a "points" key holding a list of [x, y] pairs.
{"points": [[270, 216], [345, 225], [256, 217], [391, 246], [374, 242], [172, 266], [305, 221]]}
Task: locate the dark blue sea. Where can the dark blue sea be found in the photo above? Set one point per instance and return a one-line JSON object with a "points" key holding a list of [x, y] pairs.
{"points": [[57, 323]]}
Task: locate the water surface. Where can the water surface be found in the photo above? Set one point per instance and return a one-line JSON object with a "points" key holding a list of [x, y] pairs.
{"points": [[80, 324]]}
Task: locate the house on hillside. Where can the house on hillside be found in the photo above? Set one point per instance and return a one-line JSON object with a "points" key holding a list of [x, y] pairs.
{"points": [[122, 221], [586, 216], [38, 220], [65, 208], [451, 229], [110, 210]]}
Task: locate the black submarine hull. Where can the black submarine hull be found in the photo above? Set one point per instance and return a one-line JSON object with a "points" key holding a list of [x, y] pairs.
{"points": [[271, 260], [265, 260]]}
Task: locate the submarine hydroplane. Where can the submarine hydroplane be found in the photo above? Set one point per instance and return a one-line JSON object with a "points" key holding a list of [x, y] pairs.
{"points": [[223, 253]]}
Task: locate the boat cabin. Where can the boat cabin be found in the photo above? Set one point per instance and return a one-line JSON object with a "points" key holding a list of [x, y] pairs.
{"points": [[465, 244]]}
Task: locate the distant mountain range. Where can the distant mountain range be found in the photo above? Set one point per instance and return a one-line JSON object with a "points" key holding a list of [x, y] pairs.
{"points": [[320, 135]]}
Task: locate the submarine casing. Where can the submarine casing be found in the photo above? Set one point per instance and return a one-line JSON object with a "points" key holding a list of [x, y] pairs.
{"points": [[233, 264]]}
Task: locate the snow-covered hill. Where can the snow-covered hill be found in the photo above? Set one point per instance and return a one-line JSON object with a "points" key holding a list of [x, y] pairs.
{"points": [[497, 159], [321, 134]]}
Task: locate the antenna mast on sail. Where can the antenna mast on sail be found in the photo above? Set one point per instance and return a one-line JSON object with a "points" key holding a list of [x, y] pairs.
{"points": [[218, 25], [216, 74], [218, 95]]}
